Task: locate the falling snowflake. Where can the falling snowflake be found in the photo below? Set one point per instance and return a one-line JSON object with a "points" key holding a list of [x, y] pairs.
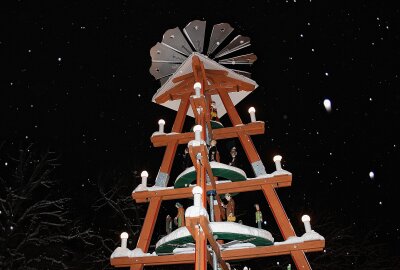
{"points": [[371, 175], [327, 105]]}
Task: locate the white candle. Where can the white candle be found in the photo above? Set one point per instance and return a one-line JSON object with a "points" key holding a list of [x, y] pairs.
{"points": [[252, 112]]}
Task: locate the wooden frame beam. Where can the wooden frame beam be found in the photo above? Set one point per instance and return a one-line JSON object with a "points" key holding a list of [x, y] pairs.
{"points": [[227, 255], [148, 224], [172, 145], [217, 134], [222, 188], [245, 140], [205, 225], [284, 225]]}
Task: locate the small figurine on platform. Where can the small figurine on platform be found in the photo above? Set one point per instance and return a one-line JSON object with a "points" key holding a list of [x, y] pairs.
{"points": [[213, 154], [234, 162], [259, 218], [179, 220], [213, 111], [168, 224], [229, 208], [186, 160]]}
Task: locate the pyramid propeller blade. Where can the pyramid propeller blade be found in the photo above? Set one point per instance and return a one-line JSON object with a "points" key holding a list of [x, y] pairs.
{"points": [[246, 59], [195, 32], [163, 53], [164, 80], [219, 33], [241, 72], [160, 69], [236, 44], [174, 38]]}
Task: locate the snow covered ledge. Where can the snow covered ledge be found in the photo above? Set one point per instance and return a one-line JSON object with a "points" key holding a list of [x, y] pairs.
{"points": [[123, 251], [137, 252], [143, 186], [196, 210], [279, 170], [309, 235]]}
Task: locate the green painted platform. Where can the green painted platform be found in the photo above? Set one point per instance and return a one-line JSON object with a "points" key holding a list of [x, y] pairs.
{"points": [[219, 169], [181, 237]]}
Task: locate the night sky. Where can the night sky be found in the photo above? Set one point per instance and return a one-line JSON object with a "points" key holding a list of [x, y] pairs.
{"points": [[74, 78]]}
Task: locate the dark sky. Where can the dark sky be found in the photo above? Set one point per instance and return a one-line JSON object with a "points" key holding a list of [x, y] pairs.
{"points": [[74, 76]]}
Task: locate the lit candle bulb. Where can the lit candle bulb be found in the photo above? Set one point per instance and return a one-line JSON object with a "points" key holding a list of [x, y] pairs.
{"points": [[306, 220], [277, 160], [124, 239], [144, 176], [161, 124], [252, 112]]}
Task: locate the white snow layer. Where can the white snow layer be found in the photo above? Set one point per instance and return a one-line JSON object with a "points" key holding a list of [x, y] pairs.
{"points": [[308, 236], [125, 252], [195, 211], [178, 233], [192, 249], [224, 226], [196, 143], [232, 227], [239, 246], [216, 165], [141, 187], [281, 172], [261, 176], [184, 250], [157, 133]]}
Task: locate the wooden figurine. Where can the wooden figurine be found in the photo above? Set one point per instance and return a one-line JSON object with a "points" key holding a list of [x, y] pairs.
{"points": [[186, 160], [168, 224], [259, 218], [229, 208], [179, 220], [234, 162], [213, 111], [213, 154]]}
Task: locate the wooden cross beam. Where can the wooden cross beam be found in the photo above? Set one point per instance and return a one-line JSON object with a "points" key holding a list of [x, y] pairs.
{"points": [[217, 134], [227, 255]]}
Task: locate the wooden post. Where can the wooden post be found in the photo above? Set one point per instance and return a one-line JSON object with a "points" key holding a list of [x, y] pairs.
{"points": [[284, 225], [169, 155], [147, 228], [245, 140]]}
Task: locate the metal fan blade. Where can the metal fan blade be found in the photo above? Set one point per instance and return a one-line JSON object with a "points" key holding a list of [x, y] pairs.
{"points": [[174, 38], [236, 44], [163, 53], [160, 69], [219, 33], [241, 72], [164, 80], [195, 32], [246, 59]]}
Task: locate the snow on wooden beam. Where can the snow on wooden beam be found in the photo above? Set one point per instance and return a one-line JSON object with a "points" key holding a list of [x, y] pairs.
{"points": [[228, 255], [218, 134], [222, 188]]}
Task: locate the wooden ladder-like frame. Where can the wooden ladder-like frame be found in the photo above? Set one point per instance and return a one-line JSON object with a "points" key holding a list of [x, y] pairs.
{"points": [[220, 84]]}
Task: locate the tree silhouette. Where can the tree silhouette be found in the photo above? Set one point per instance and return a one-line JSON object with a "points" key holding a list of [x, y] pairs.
{"points": [[113, 212], [35, 224]]}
